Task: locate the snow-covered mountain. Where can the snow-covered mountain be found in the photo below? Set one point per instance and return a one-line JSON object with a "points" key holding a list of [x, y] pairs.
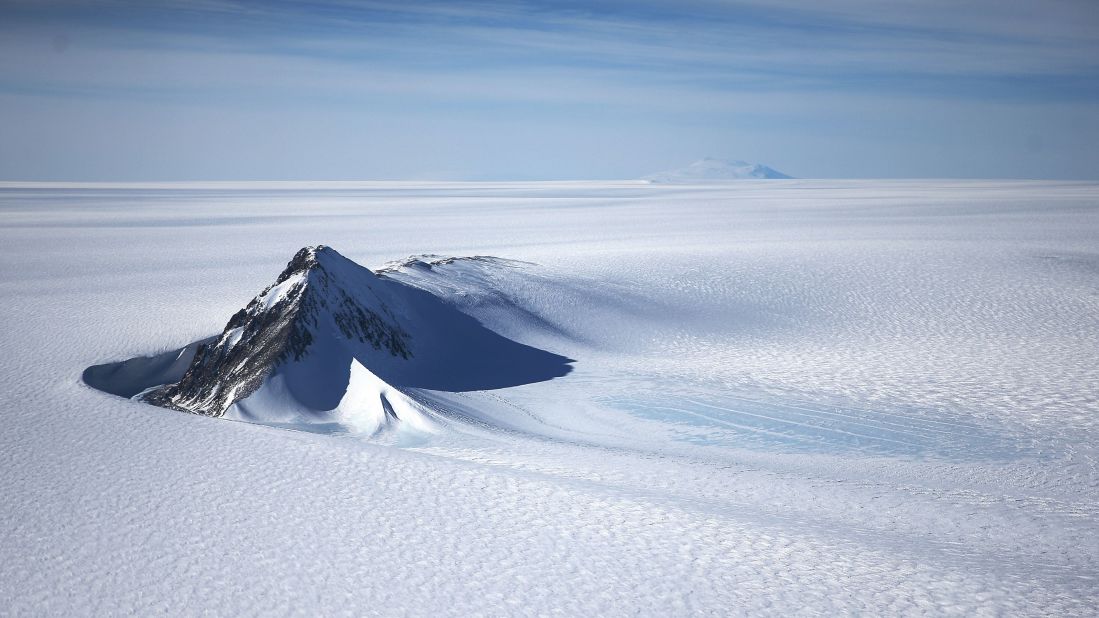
{"points": [[332, 342], [716, 170]]}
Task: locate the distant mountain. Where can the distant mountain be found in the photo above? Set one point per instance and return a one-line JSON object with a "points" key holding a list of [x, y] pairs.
{"points": [[716, 170], [334, 344]]}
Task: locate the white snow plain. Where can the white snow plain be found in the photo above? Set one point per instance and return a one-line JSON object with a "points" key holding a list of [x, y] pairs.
{"points": [[789, 397]]}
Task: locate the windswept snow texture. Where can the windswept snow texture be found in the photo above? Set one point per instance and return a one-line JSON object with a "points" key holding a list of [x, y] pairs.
{"points": [[717, 170], [803, 397]]}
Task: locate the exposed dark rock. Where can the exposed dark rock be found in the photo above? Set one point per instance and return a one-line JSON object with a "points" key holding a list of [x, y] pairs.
{"points": [[278, 326]]}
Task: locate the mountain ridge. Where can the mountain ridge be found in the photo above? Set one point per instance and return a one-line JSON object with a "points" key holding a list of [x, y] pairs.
{"points": [[332, 343], [278, 326], [710, 169]]}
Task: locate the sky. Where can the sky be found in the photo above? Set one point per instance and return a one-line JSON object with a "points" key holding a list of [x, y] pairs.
{"points": [[347, 90]]}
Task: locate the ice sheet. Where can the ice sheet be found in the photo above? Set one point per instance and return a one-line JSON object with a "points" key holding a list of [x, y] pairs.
{"points": [[788, 396]]}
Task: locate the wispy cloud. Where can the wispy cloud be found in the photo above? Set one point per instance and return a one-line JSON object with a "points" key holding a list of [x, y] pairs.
{"points": [[706, 42], [675, 61]]}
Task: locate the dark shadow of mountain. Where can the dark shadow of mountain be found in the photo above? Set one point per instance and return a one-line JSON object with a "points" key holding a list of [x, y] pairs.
{"points": [[455, 352]]}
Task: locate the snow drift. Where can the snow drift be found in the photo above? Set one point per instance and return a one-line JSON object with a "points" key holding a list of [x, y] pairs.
{"points": [[717, 170], [332, 344], [130, 377]]}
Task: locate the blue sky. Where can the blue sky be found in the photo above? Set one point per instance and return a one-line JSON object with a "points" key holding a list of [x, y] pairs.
{"points": [[219, 89]]}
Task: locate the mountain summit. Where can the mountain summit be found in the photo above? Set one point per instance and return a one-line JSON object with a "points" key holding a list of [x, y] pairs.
{"points": [[716, 170], [321, 295], [332, 342]]}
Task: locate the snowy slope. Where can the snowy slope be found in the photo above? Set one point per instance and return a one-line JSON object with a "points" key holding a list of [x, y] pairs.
{"points": [[786, 398], [716, 170]]}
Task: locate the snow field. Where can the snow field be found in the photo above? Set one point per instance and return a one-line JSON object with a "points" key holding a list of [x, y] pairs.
{"points": [[800, 397]]}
